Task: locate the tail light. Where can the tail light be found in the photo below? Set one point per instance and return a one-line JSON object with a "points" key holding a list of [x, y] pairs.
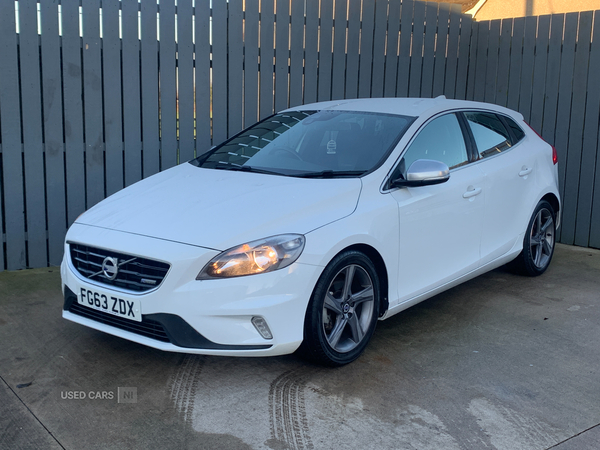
{"points": [[554, 154]]}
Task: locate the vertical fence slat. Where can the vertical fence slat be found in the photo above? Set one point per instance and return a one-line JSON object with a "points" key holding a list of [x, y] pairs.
{"points": [[10, 130], [33, 146], [573, 170], [431, 16], [452, 57], [235, 76], [470, 62], [149, 85], [492, 61], [250, 63], [403, 72], [132, 131], [595, 217], [416, 52], [516, 61], [553, 70], [339, 50], [462, 70], [539, 72], [53, 132], [564, 100], [366, 48], [311, 52], [441, 58], [352, 61], [391, 58], [202, 75], [296, 52], [73, 109], [219, 72], [92, 93], [589, 157], [378, 63], [325, 51], [526, 80], [267, 18], [501, 96], [185, 80], [167, 86], [481, 61], [282, 54], [111, 71]]}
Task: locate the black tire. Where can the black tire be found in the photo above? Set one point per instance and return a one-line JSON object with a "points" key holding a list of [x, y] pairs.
{"points": [[337, 331], [539, 241]]}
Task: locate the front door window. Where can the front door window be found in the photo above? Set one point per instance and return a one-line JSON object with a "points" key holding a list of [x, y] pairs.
{"points": [[440, 140]]}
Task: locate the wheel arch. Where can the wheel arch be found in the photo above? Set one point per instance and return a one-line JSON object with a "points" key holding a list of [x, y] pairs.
{"points": [[553, 200], [381, 268]]}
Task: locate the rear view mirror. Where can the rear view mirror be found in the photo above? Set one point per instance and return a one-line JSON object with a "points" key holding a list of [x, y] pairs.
{"points": [[423, 172]]}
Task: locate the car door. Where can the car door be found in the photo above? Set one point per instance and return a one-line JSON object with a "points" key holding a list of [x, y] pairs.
{"points": [[440, 225], [509, 170]]}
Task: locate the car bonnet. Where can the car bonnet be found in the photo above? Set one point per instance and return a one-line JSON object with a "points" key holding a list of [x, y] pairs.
{"points": [[219, 209]]}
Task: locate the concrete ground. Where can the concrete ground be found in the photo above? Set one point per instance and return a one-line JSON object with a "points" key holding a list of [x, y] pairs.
{"points": [[501, 362]]}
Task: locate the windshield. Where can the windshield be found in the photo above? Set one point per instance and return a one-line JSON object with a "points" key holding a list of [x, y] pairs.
{"points": [[311, 143]]}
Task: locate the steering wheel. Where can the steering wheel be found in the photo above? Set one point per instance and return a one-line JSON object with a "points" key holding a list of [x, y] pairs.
{"points": [[285, 151]]}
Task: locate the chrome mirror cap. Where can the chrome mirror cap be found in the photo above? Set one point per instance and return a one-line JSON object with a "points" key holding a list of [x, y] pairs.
{"points": [[427, 170]]}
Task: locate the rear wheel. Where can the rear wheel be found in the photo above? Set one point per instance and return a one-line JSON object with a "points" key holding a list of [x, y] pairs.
{"points": [[343, 310], [539, 241]]}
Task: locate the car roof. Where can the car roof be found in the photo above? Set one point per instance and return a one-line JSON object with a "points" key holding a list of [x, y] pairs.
{"points": [[415, 107]]}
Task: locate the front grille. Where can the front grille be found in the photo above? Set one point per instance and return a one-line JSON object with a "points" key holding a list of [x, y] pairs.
{"points": [[134, 273], [148, 328]]}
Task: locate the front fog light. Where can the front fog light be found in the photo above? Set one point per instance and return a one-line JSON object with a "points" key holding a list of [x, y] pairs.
{"points": [[261, 326]]}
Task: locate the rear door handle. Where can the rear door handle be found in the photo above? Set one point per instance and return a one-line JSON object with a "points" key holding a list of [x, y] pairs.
{"points": [[525, 171], [472, 192]]}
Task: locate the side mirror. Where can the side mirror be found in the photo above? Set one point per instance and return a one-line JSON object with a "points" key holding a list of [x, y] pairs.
{"points": [[423, 172]]}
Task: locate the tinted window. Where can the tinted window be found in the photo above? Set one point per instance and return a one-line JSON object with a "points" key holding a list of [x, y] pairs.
{"points": [[303, 142], [491, 137], [440, 140], [516, 129]]}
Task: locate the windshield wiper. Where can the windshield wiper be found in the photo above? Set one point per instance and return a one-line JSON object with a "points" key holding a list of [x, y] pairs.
{"points": [[331, 174], [244, 169]]}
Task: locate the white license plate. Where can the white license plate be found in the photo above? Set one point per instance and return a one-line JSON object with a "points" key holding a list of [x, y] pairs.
{"points": [[111, 304]]}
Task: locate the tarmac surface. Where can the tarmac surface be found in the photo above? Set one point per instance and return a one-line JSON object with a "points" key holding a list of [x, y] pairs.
{"points": [[501, 362]]}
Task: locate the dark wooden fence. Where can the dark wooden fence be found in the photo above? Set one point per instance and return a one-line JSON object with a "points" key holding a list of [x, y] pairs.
{"points": [[98, 94], [548, 68]]}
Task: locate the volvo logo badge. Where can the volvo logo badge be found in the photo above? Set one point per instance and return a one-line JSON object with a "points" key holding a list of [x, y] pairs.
{"points": [[110, 267]]}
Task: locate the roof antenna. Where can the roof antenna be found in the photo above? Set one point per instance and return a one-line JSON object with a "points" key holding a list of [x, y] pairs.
{"points": [[440, 97]]}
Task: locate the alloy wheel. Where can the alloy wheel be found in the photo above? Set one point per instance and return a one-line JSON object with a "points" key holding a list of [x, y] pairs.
{"points": [[348, 308], [542, 238]]}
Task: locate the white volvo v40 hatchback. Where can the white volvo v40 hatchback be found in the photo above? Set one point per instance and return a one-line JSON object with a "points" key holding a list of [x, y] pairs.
{"points": [[302, 231]]}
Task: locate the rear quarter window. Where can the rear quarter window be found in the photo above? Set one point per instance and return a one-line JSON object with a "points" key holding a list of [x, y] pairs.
{"points": [[490, 135], [517, 131]]}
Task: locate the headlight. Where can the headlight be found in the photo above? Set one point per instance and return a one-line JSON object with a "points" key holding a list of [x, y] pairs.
{"points": [[264, 255]]}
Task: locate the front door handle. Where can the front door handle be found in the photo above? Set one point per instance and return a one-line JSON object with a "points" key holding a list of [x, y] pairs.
{"points": [[472, 192], [525, 171]]}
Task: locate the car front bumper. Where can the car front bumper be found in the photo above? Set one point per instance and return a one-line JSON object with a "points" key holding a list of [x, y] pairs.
{"points": [[211, 317]]}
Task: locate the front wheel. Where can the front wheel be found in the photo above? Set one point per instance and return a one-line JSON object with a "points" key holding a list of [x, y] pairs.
{"points": [[539, 241], [343, 310]]}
